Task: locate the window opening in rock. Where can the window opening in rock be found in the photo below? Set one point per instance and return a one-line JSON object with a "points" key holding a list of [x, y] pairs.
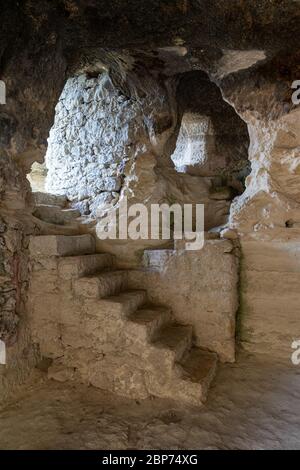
{"points": [[212, 139]]}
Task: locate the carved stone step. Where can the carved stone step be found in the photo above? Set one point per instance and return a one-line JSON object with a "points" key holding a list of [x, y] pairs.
{"points": [[188, 381], [77, 266], [103, 285], [61, 245], [55, 214], [123, 304], [171, 343], [196, 372], [53, 229], [146, 322], [39, 198]]}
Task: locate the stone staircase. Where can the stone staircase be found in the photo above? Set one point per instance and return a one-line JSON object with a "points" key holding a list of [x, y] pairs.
{"points": [[94, 329], [54, 209]]}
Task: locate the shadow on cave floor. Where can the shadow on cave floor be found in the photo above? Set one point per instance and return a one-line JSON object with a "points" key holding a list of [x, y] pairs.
{"points": [[252, 405]]}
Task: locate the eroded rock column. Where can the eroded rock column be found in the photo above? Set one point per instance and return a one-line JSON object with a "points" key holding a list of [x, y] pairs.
{"points": [[267, 217]]}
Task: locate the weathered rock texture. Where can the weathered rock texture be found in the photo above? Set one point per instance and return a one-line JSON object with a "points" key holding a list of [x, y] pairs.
{"points": [[37, 177]]}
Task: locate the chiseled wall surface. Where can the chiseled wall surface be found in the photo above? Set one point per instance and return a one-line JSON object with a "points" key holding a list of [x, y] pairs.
{"points": [[270, 297]]}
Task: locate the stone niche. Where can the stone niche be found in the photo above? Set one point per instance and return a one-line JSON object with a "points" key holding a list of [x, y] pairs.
{"points": [[212, 140]]}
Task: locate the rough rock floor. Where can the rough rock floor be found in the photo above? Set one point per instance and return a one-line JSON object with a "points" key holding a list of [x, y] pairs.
{"points": [[253, 404]]}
